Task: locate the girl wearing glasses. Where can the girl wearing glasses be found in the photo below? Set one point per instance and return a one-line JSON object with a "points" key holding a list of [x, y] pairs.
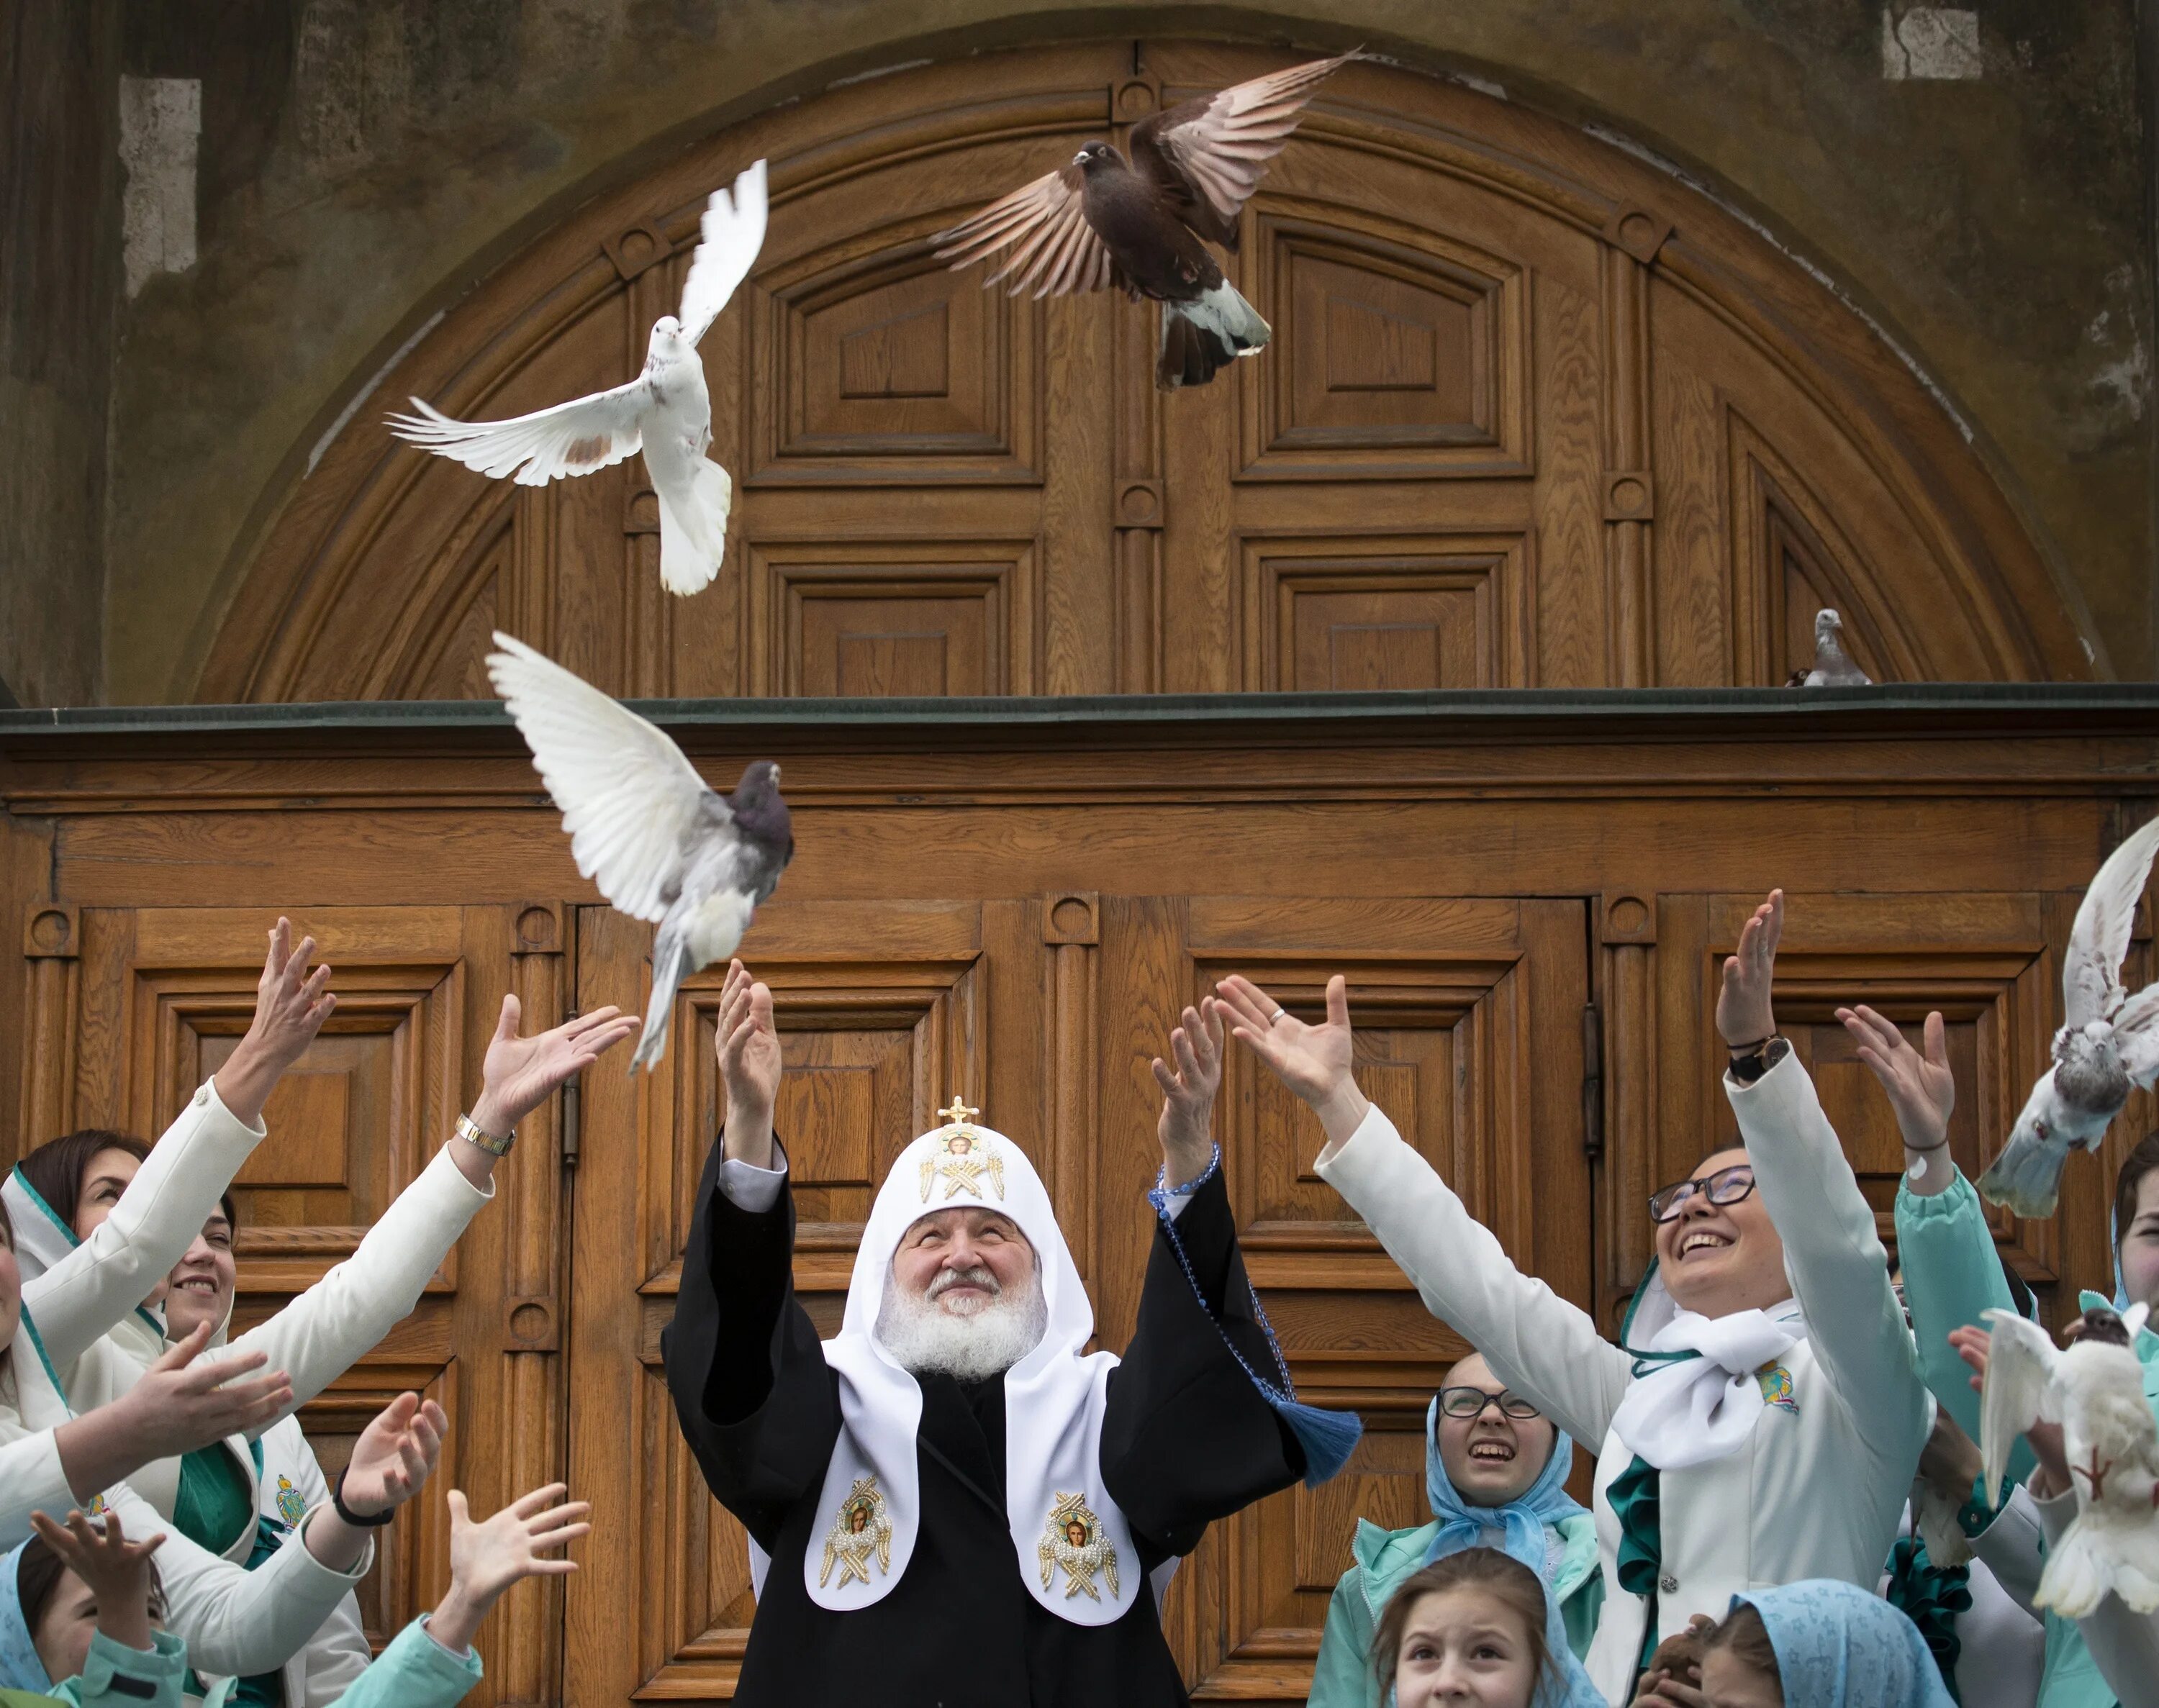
{"points": [[1495, 1473], [1761, 1422]]}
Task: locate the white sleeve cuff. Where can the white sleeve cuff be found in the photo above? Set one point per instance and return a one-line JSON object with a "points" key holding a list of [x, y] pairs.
{"points": [[749, 1188]]}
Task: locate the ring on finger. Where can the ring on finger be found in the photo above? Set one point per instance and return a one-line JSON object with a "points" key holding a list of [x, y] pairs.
{"points": [[1278, 1014]]}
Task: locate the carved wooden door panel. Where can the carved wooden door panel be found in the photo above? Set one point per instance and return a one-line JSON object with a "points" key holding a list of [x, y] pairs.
{"points": [[1989, 961], [146, 1003]]}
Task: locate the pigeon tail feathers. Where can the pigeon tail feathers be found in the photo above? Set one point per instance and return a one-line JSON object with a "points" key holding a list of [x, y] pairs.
{"points": [[2027, 1177], [1202, 337], [670, 963], [2101, 1553], [691, 544]]}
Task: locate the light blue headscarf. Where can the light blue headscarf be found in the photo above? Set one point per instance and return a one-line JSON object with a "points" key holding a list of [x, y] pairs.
{"points": [[20, 1669], [1839, 1646], [1462, 1525]]}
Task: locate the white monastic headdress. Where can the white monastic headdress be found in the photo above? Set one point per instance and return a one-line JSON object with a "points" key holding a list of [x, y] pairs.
{"points": [[1075, 1551]]}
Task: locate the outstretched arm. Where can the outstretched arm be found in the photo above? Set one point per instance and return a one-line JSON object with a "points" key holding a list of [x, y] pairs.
{"points": [[1549, 1348], [1839, 1273], [127, 1255]]}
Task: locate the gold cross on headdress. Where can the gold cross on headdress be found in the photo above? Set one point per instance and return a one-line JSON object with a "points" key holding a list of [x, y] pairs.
{"points": [[959, 1114]]}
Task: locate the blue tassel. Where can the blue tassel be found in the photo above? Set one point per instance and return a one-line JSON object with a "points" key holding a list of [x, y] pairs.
{"points": [[1327, 1437]]}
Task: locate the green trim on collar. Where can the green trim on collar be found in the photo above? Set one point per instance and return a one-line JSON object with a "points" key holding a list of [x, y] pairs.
{"points": [[37, 1198], [52, 1375]]}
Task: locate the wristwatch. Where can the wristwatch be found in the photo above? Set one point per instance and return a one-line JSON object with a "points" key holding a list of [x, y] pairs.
{"points": [[1758, 1060], [470, 1132]]}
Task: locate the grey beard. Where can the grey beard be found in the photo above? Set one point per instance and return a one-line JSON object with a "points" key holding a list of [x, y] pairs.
{"points": [[924, 1338]]}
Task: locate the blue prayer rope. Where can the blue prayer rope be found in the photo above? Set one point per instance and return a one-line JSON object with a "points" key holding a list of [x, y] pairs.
{"points": [[1285, 1394]]}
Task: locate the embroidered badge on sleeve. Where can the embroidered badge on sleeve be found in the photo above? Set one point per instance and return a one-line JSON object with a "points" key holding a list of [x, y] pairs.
{"points": [[1072, 1538], [861, 1529]]}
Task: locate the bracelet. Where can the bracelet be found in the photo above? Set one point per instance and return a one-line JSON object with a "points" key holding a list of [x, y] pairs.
{"points": [[352, 1518], [1754, 1043], [471, 1131], [1924, 1150]]}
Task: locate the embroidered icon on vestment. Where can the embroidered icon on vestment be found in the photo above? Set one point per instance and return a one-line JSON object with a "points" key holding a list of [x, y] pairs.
{"points": [[1777, 1387], [861, 1529], [962, 1156], [1072, 1538], [291, 1505]]}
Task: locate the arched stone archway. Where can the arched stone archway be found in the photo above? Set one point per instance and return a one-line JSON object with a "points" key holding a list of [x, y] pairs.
{"points": [[1535, 415]]}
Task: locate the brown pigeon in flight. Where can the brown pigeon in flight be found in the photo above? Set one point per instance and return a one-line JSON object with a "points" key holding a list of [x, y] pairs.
{"points": [[1137, 225]]}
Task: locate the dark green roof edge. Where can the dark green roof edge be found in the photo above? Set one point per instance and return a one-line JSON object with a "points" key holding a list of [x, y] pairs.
{"points": [[1845, 710]]}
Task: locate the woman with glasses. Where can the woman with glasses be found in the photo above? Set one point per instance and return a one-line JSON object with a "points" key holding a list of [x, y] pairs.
{"points": [[1495, 1473], [1761, 1419]]}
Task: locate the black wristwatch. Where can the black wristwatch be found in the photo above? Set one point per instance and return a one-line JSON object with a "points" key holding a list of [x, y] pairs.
{"points": [[1758, 1060]]}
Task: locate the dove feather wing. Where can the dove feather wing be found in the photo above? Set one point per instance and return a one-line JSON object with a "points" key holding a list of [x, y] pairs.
{"points": [[2091, 970], [1213, 150], [730, 234], [572, 438], [1044, 224], [2136, 1036], [630, 800], [2019, 1389]]}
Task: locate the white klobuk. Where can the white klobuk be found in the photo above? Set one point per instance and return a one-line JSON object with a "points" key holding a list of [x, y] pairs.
{"points": [[1075, 1550]]}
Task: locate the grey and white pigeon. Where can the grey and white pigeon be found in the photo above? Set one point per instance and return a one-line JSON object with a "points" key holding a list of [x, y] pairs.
{"points": [[1833, 667], [643, 826], [2095, 1390], [2108, 1041], [1137, 224], [666, 410]]}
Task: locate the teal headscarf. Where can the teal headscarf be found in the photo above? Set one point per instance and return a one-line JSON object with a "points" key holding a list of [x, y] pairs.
{"points": [[20, 1669], [1462, 1525], [1840, 1647]]}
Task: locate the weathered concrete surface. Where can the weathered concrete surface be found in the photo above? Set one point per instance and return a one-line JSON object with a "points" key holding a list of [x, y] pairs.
{"points": [[58, 69], [362, 162]]}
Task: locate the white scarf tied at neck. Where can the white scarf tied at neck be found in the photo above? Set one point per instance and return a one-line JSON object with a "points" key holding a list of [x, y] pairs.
{"points": [[1690, 1410]]}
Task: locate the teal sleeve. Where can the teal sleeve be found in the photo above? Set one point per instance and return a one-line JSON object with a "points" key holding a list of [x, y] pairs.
{"points": [[1579, 1613], [414, 1672], [1952, 1275], [117, 1676], [1343, 1678]]}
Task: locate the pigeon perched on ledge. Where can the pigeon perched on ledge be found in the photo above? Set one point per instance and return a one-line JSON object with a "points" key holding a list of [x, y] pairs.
{"points": [[1833, 667], [642, 825], [2109, 1040], [666, 410], [1137, 224]]}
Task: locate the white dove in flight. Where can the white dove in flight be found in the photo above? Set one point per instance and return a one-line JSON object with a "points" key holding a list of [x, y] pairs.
{"points": [[666, 410], [2095, 1391], [643, 826], [2109, 1040]]}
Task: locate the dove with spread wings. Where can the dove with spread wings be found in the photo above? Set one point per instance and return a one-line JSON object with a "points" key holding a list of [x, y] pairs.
{"points": [[1137, 224], [665, 412], [643, 826], [2109, 1438], [2110, 1041]]}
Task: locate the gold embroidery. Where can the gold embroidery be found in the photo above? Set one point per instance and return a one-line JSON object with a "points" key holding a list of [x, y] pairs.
{"points": [[861, 1528], [1072, 1538], [966, 1155]]}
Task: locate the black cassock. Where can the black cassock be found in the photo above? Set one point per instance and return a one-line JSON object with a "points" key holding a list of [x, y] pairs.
{"points": [[1186, 1439]]}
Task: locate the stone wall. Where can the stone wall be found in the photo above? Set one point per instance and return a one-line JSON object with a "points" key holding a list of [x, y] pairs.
{"points": [[1975, 182]]}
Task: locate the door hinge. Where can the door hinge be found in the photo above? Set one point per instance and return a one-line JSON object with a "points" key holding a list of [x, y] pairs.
{"points": [[572, 1101], [1592, 1081]]}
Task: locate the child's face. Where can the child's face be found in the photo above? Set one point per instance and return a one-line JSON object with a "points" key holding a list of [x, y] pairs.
{"points": [[63, 1633], [1728, 1682], [2140, 1245], [1462, 1646]]}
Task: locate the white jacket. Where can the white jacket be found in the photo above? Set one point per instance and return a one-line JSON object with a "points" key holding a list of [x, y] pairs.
{"points": [[234, 1621], [1816, 1490], [314, 1340]]}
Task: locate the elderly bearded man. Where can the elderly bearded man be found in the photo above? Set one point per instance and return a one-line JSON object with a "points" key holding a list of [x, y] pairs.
{"points": [[954, 1505]]}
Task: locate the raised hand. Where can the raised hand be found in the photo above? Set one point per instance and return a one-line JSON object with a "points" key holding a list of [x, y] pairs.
{"points": [[395, 1454], [1744, 1010], [746, 1044], [1921, 1088], [291, 1005], [487, 1558], [1187, 1093], [520, 1074], [115, 1571], [1313, 1061]]}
